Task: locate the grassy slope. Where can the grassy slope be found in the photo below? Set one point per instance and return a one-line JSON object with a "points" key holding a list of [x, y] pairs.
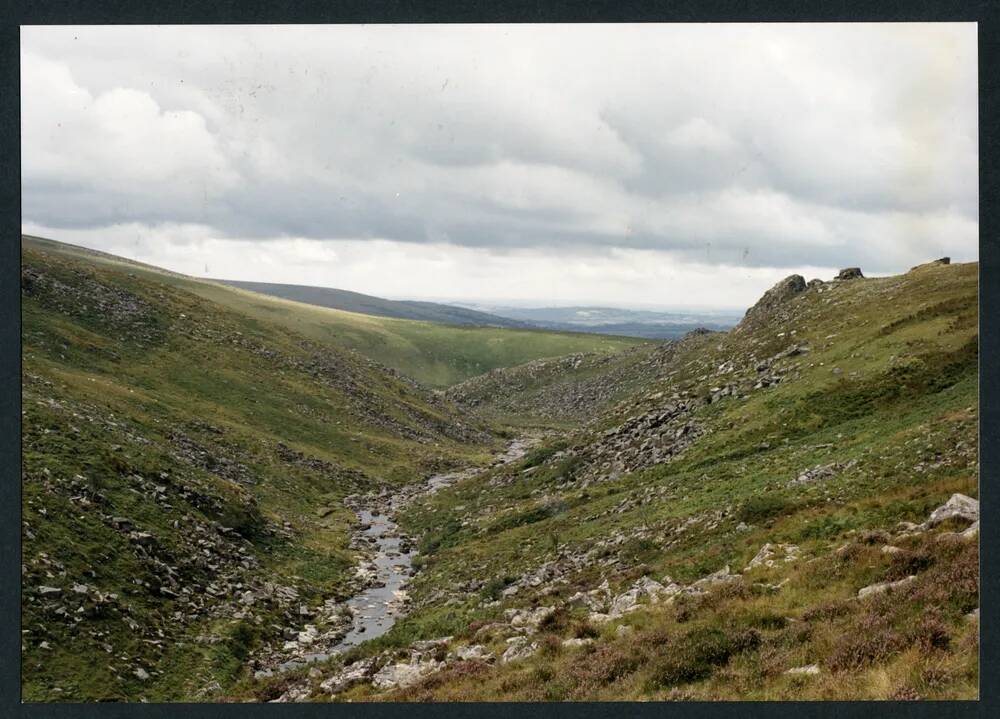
{"points": [[146, 402], [902, 402], [436, 355], [369, 305]]}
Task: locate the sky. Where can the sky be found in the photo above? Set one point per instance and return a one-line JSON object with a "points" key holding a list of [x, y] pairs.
{"points": [[622, 165]]}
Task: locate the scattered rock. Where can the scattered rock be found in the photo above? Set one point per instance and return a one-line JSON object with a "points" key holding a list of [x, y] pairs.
{"points": [[807, 670], [404, 675], [473, 652], [518, 647], [770, 555], [884, 587], [821, 472], [348, 676], [958, 506]]}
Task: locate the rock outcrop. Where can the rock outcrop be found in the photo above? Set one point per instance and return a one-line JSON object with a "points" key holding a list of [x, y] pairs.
{"points": [[777, 296], [933, 263], [850, 273]]}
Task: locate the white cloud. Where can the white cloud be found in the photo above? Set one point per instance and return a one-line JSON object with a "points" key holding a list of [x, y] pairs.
{"points": [[641, 278], [797, 145]]}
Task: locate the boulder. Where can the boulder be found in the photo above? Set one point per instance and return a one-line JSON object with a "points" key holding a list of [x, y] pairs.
{"points": [[348, 676], [722, 576], [473, 652], [808, 669], [958, 506], [850, 273], [528, 619], [884, 587], [518, 648], [401, 675]]}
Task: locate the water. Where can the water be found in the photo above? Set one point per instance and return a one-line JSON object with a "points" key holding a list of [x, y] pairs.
{"points": [[376, 609]]}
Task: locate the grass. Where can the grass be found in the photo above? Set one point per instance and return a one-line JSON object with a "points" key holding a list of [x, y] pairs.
{"points": [[147, 402], [436, 355], [130, 375], [903, 406]]}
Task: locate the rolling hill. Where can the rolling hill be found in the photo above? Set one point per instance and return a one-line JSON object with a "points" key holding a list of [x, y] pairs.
{"points": [[436, 355], [370, 305], [647, 324]]}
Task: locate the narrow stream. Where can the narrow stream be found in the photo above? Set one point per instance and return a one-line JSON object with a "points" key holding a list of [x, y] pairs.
{"points": [[376, 609]]}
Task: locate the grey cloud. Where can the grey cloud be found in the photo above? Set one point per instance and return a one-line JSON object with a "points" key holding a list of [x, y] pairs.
{"points": [[801, 145]]}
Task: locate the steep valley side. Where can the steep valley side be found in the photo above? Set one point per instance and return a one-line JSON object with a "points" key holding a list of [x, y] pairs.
{"points": [[782, 511], [215, 504]]}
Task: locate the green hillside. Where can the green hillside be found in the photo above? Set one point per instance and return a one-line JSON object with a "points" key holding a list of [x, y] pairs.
{"points": [[436, 355], [370, 305], [785, 510], [770, 476], [179, 455]]}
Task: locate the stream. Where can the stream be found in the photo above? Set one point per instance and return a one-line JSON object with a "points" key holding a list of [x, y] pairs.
{"points": [[375, 609]]}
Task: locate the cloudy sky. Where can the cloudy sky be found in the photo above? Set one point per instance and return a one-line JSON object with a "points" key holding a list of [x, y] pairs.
{"points": [[633, 165]]}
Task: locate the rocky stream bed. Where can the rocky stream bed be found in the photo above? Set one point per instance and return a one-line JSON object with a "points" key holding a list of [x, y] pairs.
{"points": [[382, 576]]}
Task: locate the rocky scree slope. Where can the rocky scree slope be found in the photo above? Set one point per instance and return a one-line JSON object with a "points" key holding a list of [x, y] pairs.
{"points": [[184, 470], [561, 392], [788, 512]]}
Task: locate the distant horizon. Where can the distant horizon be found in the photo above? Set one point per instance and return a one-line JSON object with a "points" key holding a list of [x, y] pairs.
{"points": [[190, 266]]}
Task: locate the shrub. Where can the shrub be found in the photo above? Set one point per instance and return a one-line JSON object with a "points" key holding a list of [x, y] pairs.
{"points": [[826, 527], [905, 694], [929, 633], [763, 619], [695, 655], [433, 541], [555, 621], [606, 664], [763, 507], [242, 638], [638, 550], [874, 536], [549, 645], [583, 630], [953, 580], [870, 639], [905, 563], [492, 589], [827, 611], [538, 455]]}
